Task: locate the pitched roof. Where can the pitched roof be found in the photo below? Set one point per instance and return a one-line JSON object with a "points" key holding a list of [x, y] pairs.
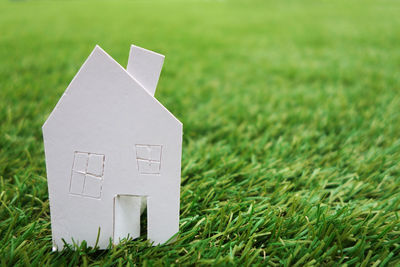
{"points": [[96, 60]]}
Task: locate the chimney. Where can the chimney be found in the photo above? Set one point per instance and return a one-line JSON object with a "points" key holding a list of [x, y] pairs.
{"points": [[145, 66]]}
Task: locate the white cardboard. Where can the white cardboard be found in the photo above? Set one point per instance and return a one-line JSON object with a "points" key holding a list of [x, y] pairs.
{"points": [[111, 147], [127, 212], [145, 66]]}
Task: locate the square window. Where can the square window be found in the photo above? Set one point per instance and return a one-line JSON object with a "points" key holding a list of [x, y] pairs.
{"points": [[80, 161], [95, 164], [87, 174], [148, 158], [92, 186], [77, 182]]}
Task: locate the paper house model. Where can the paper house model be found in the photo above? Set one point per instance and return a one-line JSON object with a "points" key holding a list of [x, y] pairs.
{"points": [[112, 149]]}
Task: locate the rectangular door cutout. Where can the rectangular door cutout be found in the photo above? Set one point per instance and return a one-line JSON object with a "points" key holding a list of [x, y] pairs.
{"points": [[127, 211]]}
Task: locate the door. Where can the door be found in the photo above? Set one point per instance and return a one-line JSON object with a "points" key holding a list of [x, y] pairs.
{"points": [[127, 211]]}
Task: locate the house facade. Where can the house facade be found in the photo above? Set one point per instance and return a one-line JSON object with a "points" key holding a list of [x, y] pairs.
{"points": [[111, 149]]}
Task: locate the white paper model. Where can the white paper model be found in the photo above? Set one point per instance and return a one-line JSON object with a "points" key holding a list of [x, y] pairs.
{"points": [[111, 148]]}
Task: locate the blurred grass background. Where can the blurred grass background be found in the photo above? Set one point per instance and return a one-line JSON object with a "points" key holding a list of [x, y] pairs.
{"points": [[291, 126]]}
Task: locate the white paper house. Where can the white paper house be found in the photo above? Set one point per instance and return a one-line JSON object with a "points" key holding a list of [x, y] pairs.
{"points": [[111, 148]]}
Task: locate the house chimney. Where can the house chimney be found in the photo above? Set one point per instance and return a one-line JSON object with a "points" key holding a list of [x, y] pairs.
{"points": [[145, 66]]}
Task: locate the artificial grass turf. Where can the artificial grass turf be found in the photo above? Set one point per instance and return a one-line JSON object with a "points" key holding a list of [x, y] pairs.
{"points": [[291, 126]]}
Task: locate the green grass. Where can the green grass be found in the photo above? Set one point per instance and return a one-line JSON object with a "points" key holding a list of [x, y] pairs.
{"points": [[291, 126]]}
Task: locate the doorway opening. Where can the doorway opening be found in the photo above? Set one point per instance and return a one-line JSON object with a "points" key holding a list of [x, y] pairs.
{"points": [[130, 217]]}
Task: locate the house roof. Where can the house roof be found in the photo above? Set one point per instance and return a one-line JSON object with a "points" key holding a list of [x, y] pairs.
{"points": [[97, 58]]}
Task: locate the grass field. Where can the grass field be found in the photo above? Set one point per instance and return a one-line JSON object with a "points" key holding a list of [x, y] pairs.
{"points": [[291, 126]]}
